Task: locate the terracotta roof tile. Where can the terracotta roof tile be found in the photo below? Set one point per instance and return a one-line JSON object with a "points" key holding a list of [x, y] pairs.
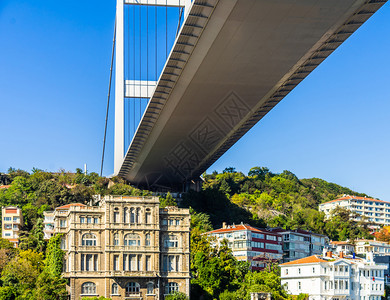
{"points": [[340, 243], [4, 186], [355, 197], [67, 206], [241, 227], [305, 260]]}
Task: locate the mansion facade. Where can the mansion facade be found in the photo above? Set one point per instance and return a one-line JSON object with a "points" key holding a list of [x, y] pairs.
{"points": [[125, 248]]}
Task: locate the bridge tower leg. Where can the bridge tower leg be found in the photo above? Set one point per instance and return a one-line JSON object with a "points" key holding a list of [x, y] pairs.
{"points": [[123, 87], [119, 136]]}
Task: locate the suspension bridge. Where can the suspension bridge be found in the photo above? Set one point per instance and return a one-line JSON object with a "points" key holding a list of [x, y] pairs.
{"points": [[192, 77]]}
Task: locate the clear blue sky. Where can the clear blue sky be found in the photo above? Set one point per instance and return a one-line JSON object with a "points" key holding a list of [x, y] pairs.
{"points": [[54, 67]]}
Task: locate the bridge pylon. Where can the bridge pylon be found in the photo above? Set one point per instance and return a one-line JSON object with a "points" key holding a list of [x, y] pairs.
{"points": [[125, 87]]}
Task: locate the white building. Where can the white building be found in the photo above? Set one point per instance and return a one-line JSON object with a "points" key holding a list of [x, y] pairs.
{"points": [[376, 211], [12, 222], [342, 246], [376, 247], [332, 277]]}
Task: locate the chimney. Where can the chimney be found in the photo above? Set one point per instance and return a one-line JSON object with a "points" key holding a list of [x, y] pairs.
{"points": [[329, 254], [224, 225], [341, 254]]}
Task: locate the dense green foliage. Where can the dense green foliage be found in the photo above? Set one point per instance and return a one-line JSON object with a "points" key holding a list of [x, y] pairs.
{"points": [[27, 275], [266, 199], [261, 198], [176, 296]]}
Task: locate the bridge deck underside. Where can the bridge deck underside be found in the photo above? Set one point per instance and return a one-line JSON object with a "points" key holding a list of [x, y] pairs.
{"points": [[233, 61]]}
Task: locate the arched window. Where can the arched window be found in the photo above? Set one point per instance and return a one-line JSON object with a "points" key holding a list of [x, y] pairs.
{"points": [[88, 239], [138, 216], [114, 289], [148, 216], [116, 215], [132, 239], [132, 288], [132, 215], [147, 239], [150, 288], [171, 241], [88, 288], [116, 239], [171, 287], [125, 215]]}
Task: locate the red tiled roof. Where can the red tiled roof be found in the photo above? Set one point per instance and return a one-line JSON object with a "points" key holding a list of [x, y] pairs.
{"points": [[67, 206], [4, 186], [340, 243], [355, 197], [305, 260], [239, 228]]}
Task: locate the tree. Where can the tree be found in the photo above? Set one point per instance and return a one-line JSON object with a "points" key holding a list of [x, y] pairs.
{"points": [[176, 296], [167, 201], [20, 275], [50, 284]]}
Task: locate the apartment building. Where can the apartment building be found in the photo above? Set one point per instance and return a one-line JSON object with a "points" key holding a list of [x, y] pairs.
{"points": [[378, 248], [342, 246], [12, 223], [251, 244], [376, 211], [48, 224], [334, 277], [301, 243], [125, 248]]}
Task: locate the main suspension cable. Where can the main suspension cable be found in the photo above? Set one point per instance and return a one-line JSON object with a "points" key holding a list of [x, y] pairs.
{"points": [[108, 97]]}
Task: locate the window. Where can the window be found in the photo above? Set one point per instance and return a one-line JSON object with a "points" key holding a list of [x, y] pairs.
{"points": [[116, 239], [63, 243], [299, 270], [299, 285], [325, 285], [88, 288], [114, 289], [171, 241], [177, 222], [62, 223], [88, 239], [132, 240], [7, 218], [164, 222], [89, 262], [116, 262], [96, 220], [147, 239], [171, 263], [148, 218], [286, 272], [138, 215], [82, 220], [125, 215], [171, 287], [271, 237], [314, 270], [89, 220], [171, 222], [150, 288], [132, 215], [148, 264], [132, 288], [7, 226], [116, 215], [346, 284]]}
